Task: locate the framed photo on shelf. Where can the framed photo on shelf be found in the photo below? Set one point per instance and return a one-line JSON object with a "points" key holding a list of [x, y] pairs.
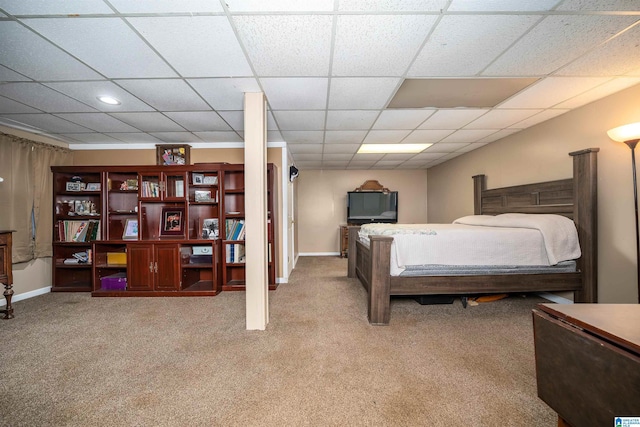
{"points": [[210, 179], [73, 186], [93, 186], [130, 229], [210, 228], [172, 221], [167, 155], [198, 178], [203, 196]]}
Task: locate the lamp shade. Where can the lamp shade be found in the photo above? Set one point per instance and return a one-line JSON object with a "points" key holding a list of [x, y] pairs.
{"points": [[625, 133]]}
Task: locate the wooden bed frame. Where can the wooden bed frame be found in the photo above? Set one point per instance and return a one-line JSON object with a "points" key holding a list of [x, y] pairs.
{"points": [[575, 198]]}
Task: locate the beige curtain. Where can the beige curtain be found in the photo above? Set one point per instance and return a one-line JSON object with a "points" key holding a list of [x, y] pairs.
{"points": [[26, 194]]}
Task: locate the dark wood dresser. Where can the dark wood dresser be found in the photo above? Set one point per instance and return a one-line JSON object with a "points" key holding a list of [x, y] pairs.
{"points": [[588, 361], [6, 276]]}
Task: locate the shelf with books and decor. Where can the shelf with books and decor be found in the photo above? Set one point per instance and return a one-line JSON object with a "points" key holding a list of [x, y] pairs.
{"points": [[233, 227], [150, 230]]}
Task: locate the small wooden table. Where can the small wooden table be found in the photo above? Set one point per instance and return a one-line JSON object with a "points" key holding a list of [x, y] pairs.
{"points": [[6, 275], [588, 361]]}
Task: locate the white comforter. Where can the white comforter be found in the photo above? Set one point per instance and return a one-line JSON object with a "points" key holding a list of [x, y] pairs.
{"points": [[508, 239]]}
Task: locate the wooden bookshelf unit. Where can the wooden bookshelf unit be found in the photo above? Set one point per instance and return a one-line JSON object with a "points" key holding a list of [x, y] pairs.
{"points": [[153, 230]]}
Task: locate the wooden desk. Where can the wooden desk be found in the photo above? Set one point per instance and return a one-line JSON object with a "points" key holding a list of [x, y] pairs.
{"points": [[6, 276], [588, 361], [344, 241]]}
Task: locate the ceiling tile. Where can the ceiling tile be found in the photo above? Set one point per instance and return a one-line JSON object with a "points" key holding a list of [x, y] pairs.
{"points": [[463, 45], [42, 98], [396, 38], [27, 53], [166, 6], [539, 118], [303, 136], [388, 164], [616, 57], [357, 164], [135, 137], [105, 44], [235, 119], [309, 165], [47, 7], [7, 75], [268, 42], [445, 147], [472, 147], [501, 118], [99, 122], [165, 94], [496, 136], [92, 138], [299, 120], [392, 5], [426, 155], [401, 119], [551, 91], [427, 135], [556, 41], [413, 164], [201, 121], [274, 136], [336, 157], [344, 136], [341, 148], [598, 92], [397, 157], [385, 136], [309, 157], [368, 157], [10, 106], [468, 135], [502, 5], [149, 122], [177, 137], [296, 93], [305, 148], [88, 93], [591, 5], [350, 120], [279, 6], [361, 93], [196, 46], [452, 118], [225, 94], [335, 164], [46, 122], [219, 136]]}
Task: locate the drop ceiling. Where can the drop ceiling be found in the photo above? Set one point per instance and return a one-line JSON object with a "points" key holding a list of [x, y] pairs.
{"points": [[329, 70]]}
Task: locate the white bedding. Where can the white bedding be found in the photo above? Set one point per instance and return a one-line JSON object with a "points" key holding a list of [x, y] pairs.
{"points": [[508, 239]]}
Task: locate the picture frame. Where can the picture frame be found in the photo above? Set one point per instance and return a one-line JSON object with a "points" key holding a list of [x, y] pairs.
{"points": [[130, 230], [210, 180], [172, 221], [210, 228], [203, 196], [198, 178], [93, 186], [73, 186], [168, 155]]}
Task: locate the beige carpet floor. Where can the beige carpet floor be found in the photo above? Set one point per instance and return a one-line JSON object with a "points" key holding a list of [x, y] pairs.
{"points": [[68, 359]]}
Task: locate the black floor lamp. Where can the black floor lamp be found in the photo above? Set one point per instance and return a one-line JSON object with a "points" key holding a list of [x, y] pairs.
{"points": [[630, 135]]}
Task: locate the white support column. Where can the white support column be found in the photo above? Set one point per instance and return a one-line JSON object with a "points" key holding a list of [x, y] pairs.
{"points": [[255, 203]]}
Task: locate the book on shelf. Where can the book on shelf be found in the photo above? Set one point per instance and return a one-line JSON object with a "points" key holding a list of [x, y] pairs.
{"points": [[234, 229], [235, 253], [78, 230]]}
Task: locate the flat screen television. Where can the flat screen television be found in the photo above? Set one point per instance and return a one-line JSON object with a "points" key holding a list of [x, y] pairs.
{"points": [[364, 207]]}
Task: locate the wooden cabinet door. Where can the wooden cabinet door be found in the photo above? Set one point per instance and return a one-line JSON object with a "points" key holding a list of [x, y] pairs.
{"points": [[140, 271], [167, 260]]}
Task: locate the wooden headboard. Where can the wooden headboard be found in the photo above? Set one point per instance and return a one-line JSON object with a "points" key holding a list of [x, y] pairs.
{"points": [[575, 198]]}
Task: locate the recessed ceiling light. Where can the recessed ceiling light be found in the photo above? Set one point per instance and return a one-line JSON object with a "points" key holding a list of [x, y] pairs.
{"points": [[108, 100], [393, 148]]}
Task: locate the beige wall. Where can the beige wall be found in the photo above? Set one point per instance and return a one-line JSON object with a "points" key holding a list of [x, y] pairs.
{"points": [[540, 153], [321, 197]]}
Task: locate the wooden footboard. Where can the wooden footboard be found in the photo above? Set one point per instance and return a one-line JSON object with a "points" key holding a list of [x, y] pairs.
{"points": [[575, 198]]}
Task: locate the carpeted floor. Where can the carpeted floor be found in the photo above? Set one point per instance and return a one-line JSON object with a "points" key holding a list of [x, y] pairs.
{"points": [[71, 360]]}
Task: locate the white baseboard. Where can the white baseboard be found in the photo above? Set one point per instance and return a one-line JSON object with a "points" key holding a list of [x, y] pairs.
{"points": [[27, 295], [554, 298], [319, 254]]}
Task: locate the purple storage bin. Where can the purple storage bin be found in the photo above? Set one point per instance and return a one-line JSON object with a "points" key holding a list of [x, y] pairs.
{"points": [[114, 282]]}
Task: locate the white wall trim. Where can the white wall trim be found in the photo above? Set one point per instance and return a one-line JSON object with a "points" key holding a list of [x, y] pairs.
{"points": [[284, 217], [319, 254], [27, 295], [554, 298]]}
